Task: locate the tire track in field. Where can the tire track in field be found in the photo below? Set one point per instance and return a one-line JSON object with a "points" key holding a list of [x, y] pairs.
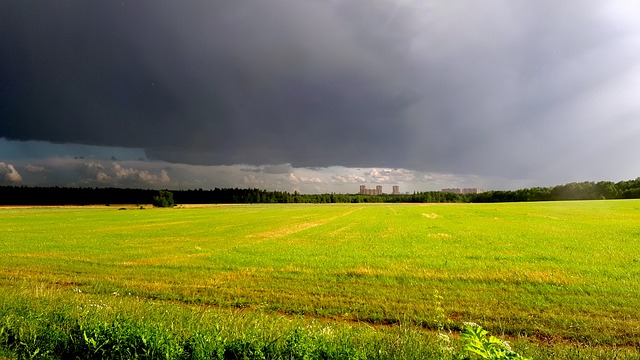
{"points": [[293, 229]]}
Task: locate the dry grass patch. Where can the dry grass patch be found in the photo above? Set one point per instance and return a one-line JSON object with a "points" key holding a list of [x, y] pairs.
{"points": [[286, 231]]}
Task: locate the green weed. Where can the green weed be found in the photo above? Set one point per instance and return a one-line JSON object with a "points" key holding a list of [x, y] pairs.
{"points": [[475, 341]]}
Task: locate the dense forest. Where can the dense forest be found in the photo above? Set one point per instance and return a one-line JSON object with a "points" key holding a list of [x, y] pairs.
{"points": [[21, 195], [572, 191]]}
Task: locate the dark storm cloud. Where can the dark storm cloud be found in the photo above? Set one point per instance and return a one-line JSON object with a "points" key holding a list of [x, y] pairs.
{"points": [[270, 169], [232, 81], [494, 87]]}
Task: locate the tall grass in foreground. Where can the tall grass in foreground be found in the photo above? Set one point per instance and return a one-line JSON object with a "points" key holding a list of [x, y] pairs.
{"points": [[38, 323], [126, 328]]}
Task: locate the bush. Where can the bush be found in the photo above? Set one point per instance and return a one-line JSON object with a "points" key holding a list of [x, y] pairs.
{"points": [[163, 199]]}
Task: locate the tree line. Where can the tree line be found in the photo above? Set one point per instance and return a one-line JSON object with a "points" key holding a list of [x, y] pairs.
{"points": [[586, 190], [23, 195]]}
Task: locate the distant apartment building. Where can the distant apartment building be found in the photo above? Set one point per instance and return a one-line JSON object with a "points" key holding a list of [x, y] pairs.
{"points": [[472, 191], [452, 190], [365, 191], [463, 191]]}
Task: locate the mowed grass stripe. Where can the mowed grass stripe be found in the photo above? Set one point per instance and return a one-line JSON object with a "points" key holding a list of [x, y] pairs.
{"points": [[569, 270]]}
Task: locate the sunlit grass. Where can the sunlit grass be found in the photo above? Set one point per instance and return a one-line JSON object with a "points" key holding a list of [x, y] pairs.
{"points": [[561, 273]]}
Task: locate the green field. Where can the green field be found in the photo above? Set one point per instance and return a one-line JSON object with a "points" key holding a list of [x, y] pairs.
{"points": [[558, 279]]}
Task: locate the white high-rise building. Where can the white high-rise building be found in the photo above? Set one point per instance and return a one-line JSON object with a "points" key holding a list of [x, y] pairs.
{"points": [[463, 191], [365, 191]]}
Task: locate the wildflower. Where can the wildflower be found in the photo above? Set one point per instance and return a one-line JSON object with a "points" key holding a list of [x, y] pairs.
{"points": [[507, 346], [444, 337]]}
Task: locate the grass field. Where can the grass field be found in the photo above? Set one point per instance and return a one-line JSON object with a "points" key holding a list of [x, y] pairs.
{"points": [[559, 279]]}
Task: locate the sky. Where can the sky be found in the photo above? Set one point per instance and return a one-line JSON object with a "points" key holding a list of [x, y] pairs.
{"points": [[319, 96]]}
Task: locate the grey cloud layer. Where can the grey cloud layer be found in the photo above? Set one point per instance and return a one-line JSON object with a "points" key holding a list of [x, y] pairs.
{"points": [[9, 175], [521, 89], [161, 175]]}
